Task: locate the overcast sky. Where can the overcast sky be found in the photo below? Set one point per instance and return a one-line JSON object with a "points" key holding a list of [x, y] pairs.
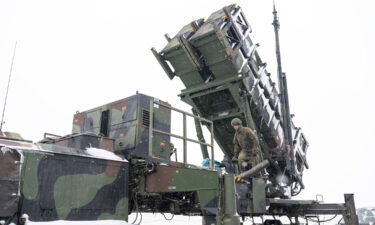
{"points": [[78, 54]]}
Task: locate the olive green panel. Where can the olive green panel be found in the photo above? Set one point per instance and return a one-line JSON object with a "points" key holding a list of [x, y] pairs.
{"points": [[211, 48], [116, 116], [67, 197], [122, 209], [191, 79], [216, 57], [162, 116], [124, 111], [183, 67], [231, 216], [124, 137], [181, 179], [29, 175], [179, 60], [161, 147], [259, 196], [76, 129], [93, 117], [161, 143], [95, 130], [205, 196], [186, 179]]}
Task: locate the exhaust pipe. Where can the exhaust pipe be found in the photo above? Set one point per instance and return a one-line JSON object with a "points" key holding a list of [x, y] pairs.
{"points": [[256, 169]]}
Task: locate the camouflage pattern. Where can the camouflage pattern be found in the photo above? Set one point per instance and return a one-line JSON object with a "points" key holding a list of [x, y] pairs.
{"points": [[176, 178], [57, 166], [126, 122], [10, 163], [45, 179], [246, 148]]}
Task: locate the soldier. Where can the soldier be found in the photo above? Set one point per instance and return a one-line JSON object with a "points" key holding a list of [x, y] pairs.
{"points": [[246, 147]]}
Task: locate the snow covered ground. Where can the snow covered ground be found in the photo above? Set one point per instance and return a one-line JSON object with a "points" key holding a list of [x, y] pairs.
{"points": [[147, 219], [158, 219], [63, 222]]}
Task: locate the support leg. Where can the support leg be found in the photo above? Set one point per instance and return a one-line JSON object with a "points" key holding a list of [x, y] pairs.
{"points": [[350, 215], [209, 220]]}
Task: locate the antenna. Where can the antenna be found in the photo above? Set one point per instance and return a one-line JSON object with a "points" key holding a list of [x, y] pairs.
{"points": [[283, 88], [6, 94]]}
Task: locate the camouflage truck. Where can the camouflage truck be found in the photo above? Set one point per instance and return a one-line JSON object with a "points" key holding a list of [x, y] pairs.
{"points": [[117, 161], [56, 182], [107, 168]]}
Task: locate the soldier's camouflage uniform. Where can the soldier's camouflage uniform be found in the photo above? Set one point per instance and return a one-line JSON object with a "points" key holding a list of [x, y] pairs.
{"points": [[247, 149]]}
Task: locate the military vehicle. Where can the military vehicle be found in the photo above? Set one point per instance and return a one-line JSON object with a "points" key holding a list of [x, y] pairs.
{"points": [[119, 158]]}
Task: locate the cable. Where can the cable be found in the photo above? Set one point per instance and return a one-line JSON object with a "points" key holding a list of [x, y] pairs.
{"points": [[296, 193], [136, 217], [136, 207], [322, 221], [140, 221], [168, 218]]}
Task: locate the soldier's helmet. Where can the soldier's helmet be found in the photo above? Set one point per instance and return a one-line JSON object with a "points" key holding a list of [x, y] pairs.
{"points": [[236, 121]]}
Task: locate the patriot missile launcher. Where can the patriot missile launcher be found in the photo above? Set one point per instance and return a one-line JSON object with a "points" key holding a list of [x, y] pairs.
{"points": [[119, 158], [225, 78]]}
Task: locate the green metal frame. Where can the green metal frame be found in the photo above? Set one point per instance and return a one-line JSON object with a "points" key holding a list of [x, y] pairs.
{"points": [[184, 136]]}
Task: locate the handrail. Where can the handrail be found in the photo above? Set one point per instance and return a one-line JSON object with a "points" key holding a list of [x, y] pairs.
{"points": [[184, 137]]}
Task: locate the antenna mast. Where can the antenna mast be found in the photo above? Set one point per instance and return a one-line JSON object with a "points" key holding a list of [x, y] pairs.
{"points": [[283, 88], [6, 94]]}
